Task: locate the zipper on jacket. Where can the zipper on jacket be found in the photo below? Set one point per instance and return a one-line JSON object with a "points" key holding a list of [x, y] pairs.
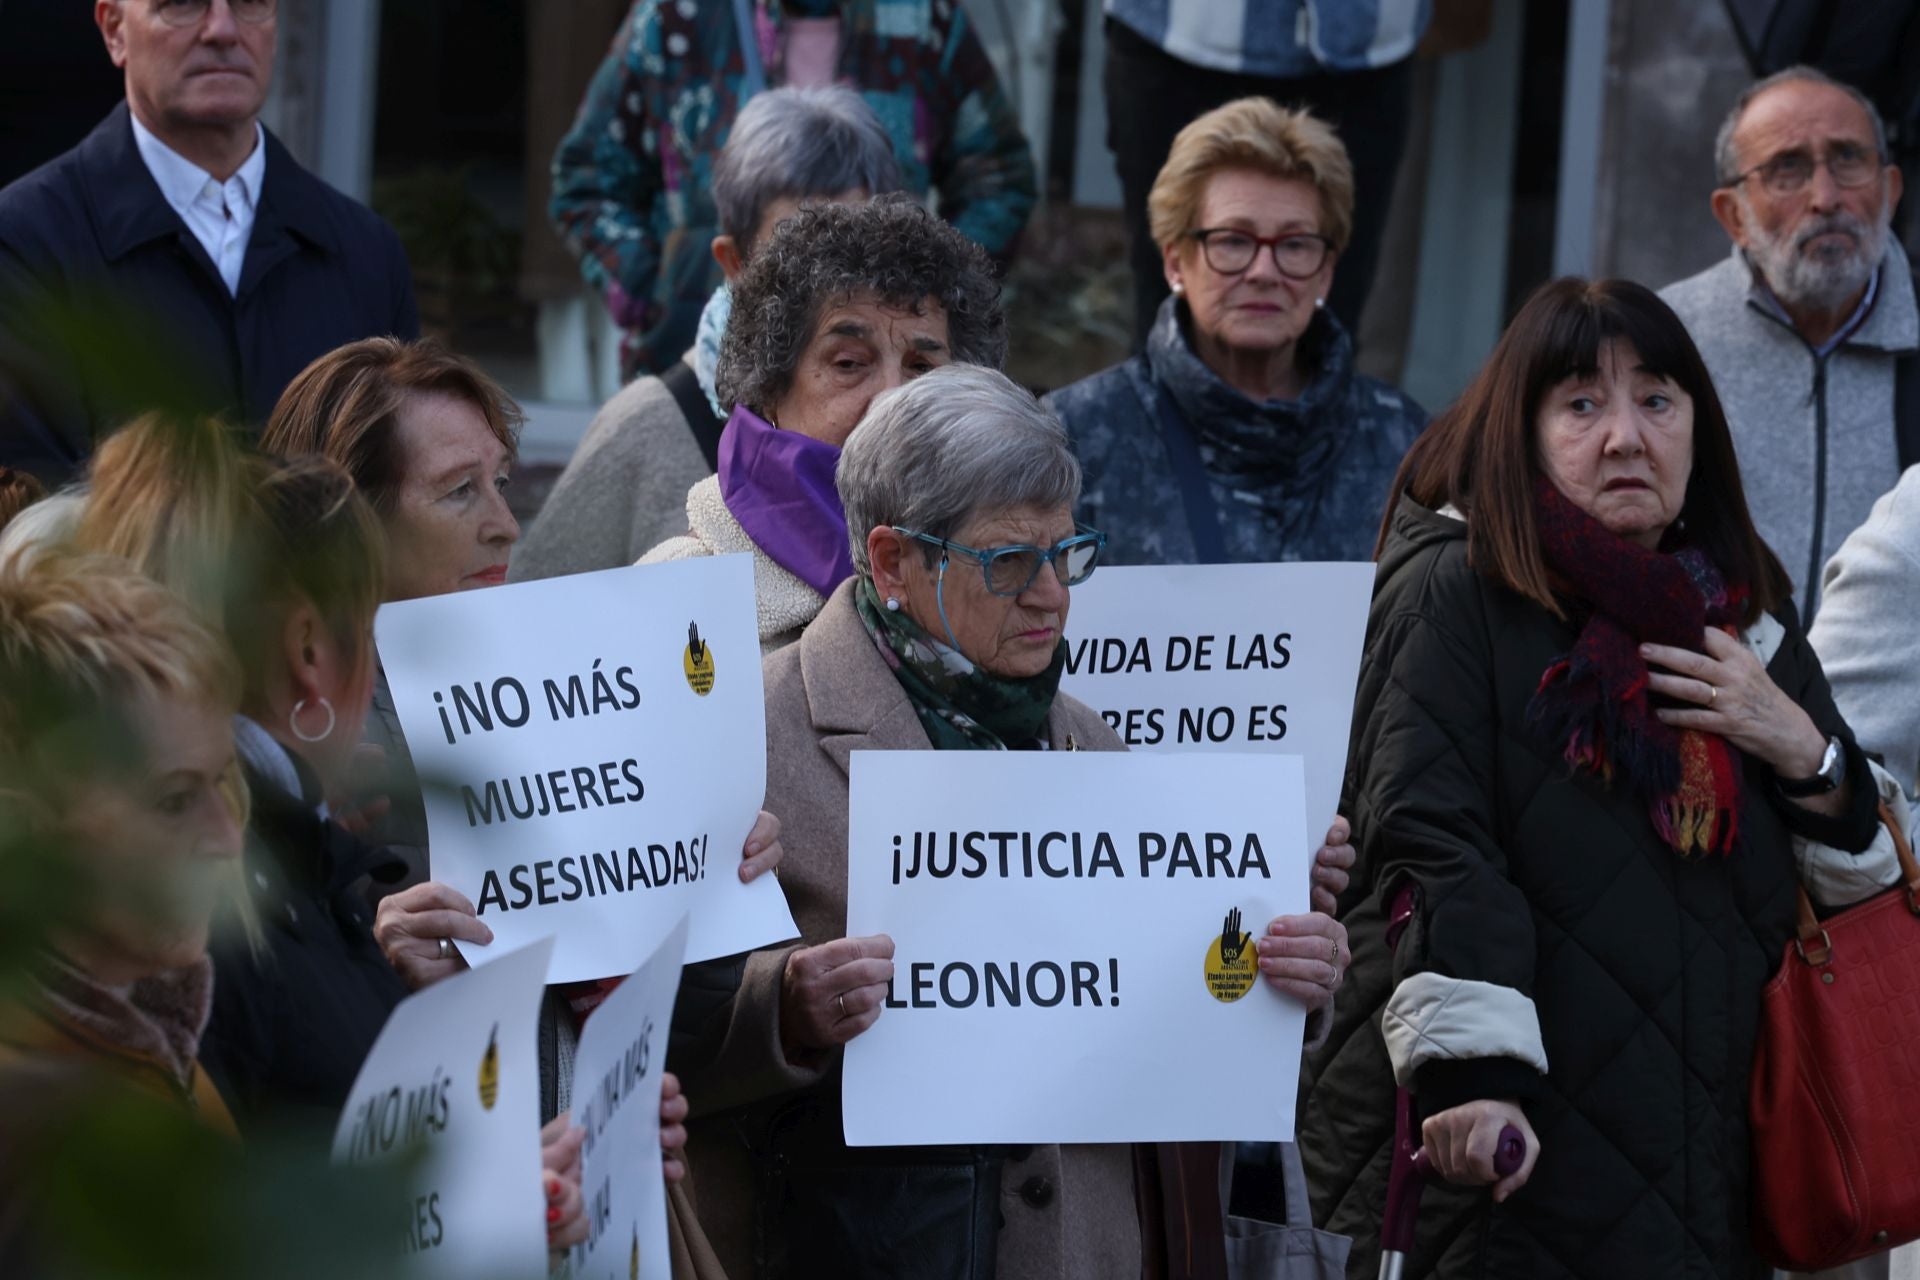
{"points": [[1819, 491]]}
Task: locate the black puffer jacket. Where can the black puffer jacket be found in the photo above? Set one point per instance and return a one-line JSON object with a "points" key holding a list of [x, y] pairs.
{"points": [[1644, 968]]}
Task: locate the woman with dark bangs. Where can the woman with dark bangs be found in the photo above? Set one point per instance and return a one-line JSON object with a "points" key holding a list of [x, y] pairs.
{"points": [[1588, 731]]}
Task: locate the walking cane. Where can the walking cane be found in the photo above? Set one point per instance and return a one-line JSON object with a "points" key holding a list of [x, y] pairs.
{"points": [[1408, 1168]]}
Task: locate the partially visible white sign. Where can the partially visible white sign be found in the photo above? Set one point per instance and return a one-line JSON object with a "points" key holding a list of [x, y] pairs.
{"points": [[592, 751], [1227, 657], [455, 1077], [616, 1099], [1073, 946]]}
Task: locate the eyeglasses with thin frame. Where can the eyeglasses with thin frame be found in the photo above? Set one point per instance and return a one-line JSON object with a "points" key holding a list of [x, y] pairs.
{"points": [[190, 13], [1298, 254], [1786, 174], [1010, 570]]}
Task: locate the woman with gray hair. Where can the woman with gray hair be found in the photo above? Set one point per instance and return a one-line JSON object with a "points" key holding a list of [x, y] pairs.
{"points": [[959, 491], [621, 494], [843, 303]]}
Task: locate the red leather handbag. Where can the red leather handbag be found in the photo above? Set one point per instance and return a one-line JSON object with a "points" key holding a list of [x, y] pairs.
{"points": [[1836, 1083]]}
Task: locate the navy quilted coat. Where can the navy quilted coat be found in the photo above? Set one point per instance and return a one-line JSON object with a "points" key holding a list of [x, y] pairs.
{"points": [[1645, 968]]}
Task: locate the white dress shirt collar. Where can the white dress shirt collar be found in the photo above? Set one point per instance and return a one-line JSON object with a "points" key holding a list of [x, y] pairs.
{"points": [[220, 214]]}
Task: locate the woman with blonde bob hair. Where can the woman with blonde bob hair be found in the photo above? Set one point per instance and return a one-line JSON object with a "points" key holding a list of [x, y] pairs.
{"points": [[1243, 432], [285, 559], [116, 758]]}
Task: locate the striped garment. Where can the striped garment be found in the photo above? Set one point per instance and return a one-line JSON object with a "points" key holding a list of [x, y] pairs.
{"points": [[1279, 38]]}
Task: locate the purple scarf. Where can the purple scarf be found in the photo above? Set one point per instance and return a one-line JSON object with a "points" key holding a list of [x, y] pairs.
{"points": [[779, 486]]}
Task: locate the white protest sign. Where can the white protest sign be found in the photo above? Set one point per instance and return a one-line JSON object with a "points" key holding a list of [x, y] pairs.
{"points": [[592, 753], [616, 1099], [1226, 657], [1072, 959], [455, 1077]]}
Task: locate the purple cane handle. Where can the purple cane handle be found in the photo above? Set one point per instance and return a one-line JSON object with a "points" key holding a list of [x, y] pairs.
{"points": [[1508, 1156]]}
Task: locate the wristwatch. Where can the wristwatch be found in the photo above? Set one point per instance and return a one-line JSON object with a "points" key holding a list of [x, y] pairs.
{"points": [[1833, 766]]}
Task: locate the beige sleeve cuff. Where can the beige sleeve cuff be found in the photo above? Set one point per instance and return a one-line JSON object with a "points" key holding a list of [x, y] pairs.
{"points": [[1431, 1018]]}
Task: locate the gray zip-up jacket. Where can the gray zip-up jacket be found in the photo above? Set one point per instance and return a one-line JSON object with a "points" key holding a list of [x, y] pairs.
{"points": [[1815, 434]]}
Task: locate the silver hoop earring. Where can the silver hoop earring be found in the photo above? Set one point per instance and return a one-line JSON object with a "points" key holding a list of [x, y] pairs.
{"points": [[293, 721], [893, 605]]}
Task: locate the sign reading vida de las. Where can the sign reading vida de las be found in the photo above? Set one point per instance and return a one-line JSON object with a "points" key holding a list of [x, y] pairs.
{"points": [[1229, 657], [454, 1080], [616, 1099], [1073, 946], [592, 752]]}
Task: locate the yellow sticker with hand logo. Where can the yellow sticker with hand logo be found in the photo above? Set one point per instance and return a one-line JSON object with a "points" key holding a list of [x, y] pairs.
{"points": [[1232, 963], [490, 1070], [698, 662]]}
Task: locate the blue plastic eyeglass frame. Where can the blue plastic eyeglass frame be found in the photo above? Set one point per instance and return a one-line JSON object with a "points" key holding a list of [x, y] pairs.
{"points": [[1048, 555]]}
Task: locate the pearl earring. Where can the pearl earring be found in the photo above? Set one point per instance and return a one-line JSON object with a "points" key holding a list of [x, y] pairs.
{"points": [[1319, 303], [1179, 288], [893, 605]]}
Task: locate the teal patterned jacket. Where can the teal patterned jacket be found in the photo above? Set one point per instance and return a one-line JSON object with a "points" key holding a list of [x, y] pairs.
{"points": [[632, 179]]}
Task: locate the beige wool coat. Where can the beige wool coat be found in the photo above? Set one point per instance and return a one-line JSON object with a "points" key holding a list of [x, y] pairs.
{"points": [[828, 696], [624, 491], [782, 602]]}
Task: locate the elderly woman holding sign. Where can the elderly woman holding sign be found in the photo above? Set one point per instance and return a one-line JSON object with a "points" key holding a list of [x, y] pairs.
{"points": [[947, 637], [844, 302], [1589, 729]]}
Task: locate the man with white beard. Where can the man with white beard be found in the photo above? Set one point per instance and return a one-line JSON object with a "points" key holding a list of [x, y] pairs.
{"points": [[1810, 327]]}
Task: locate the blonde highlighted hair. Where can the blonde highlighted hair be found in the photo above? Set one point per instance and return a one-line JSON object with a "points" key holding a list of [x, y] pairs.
{"points": [[240, 537], [83, 636], [1259, 135]]}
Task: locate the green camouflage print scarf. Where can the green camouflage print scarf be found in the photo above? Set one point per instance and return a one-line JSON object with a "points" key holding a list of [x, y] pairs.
{"points": [[962, 707]]}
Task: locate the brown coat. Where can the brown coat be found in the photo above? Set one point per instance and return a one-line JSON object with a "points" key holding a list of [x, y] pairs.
{"points": [[828, 696], [35, 1038]]}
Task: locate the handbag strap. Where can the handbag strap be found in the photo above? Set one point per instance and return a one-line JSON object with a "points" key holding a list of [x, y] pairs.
{"points": [[1813, 943], [1196, 487], [1294, 1174], [684, 386]]}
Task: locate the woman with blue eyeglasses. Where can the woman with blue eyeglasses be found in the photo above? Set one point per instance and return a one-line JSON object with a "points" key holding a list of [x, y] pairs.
{"points": [[959, 491]]}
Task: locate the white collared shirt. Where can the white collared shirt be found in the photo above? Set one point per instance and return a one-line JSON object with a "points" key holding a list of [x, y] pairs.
{"points": [[220, 214]]}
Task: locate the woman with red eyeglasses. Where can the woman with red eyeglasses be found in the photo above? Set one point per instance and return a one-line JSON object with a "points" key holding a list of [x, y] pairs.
{"points": [[1242, 433]]}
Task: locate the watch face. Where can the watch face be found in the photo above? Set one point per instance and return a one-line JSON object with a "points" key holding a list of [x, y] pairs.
{"points": [[1830, 763]]}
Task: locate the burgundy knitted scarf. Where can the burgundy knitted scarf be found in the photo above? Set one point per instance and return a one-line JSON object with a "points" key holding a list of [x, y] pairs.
{"points": [[1593, 702]]}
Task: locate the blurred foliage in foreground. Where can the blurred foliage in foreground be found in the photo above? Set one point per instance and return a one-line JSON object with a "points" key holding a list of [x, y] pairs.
{"points": [[99, 1181]]}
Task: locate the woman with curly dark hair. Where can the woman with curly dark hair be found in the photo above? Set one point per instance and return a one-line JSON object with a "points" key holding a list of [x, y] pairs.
{"points": [[845, 302]]}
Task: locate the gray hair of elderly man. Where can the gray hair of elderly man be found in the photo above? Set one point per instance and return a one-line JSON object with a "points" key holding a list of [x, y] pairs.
{"points": [[1726, 159], [957, 442], [797, 144]]}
